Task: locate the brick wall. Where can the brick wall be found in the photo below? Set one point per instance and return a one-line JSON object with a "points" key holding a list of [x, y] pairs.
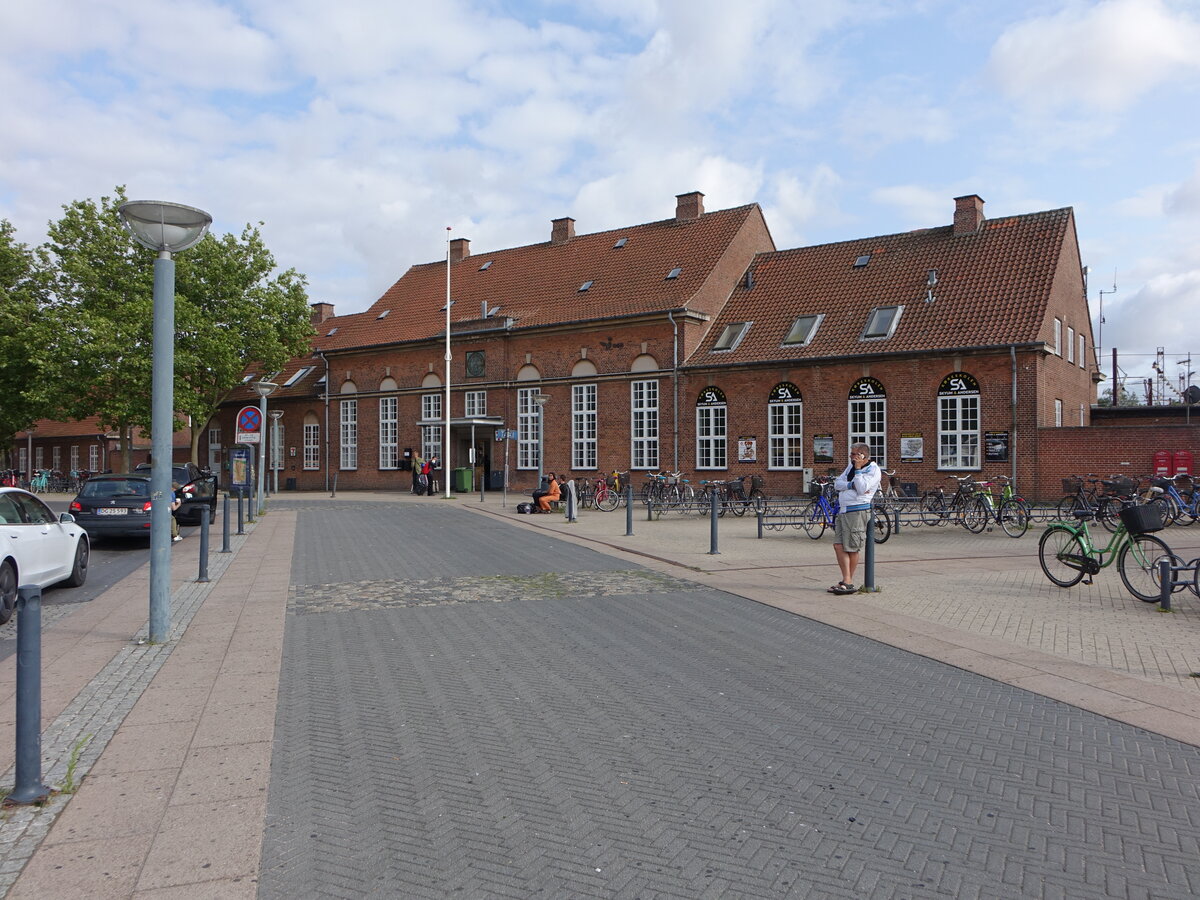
{"points": [[1116, 449]]}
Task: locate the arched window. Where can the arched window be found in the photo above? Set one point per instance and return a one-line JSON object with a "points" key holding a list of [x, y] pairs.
{"points": [[958, 422], [785, 427], [712, 429], [868, 417]]}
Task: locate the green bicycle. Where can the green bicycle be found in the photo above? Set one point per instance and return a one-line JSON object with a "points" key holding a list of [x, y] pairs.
{"points": [[1066, 552]]}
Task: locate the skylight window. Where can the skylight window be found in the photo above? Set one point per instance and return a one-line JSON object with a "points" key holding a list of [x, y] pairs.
{"points": [[587, 284], [862, 260], [803, 330], [332, 331], [881, 323], [620, 243], [300, 373], [674, 273], [487, 265], [249, 378], [731, 336], [383, 315]]}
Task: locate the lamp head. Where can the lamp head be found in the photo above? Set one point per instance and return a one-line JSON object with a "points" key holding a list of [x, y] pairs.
{"points": [[263, 388], [161, 226]]}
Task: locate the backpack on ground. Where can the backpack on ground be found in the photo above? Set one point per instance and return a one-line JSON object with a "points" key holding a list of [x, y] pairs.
{"points": [[524, 508]]}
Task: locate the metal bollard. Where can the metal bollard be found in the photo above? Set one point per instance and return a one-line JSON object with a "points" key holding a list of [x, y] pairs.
{"points": [[240, 519], [869, 554], [225, 527], [712, 526], [1165, 583], [202, 577], [28, 787], [628, 510], [761, 511], [251, 502], [571, 517]]}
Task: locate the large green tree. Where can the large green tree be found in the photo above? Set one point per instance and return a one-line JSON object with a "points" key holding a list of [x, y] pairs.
{"points": [[231, 310], [24, 286]]}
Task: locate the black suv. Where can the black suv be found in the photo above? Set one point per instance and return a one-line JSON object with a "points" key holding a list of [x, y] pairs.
{"points": [[197, 490]]}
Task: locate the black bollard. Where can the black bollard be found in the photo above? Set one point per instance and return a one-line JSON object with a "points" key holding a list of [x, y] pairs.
{"points": [[869, 554], [28, 787], [628, 510], [712, 526], [570, 488], [240, 520], [251, 502], [1165, 577], [225, 527], [202, 577]]}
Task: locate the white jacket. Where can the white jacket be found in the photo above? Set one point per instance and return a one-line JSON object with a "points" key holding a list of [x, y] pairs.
{"points": [[857, 488]]}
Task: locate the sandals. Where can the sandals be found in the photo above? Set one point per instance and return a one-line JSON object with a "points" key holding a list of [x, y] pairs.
{"points": [[842, 588]]}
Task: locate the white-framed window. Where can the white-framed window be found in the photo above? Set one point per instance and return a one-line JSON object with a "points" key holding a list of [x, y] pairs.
{"points": [[389, 451], [867, 417], [583, 426], [312, 446], [1082, 351], [881, 323], [56, 458], [39, 457], [74, 457], [785, 427], [22, 460], [214, 439], [1058, 337], [1057, 413], [476, 404], [1082, 414], [643, 425], [958, 422], [712, 438], [349, 443], [93, 458], [431, 406], [1070, 344], [803, 330], [527, 428], [731, 336], [431, 441], [277, 443]]}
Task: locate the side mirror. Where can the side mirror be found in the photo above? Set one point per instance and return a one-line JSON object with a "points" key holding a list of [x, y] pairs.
{"points": [[66, 518]]}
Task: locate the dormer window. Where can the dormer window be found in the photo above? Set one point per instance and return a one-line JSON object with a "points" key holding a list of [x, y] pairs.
{"points": [[674, 273], [881, 323], [803, 330], [731, 336]]}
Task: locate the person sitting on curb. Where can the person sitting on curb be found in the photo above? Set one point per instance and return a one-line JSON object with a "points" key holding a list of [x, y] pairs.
{"points": [[544, 498], [856, 488]]}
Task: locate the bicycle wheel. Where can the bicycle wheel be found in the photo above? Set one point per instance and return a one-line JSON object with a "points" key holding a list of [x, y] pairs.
{"points": [[1014, 518], [606, 499], [1068, 506], [1054, 551], [975, 515], [883, 526], [1108, 512], [812, 515], [738, 505], [933, 509], [1138, 565]]}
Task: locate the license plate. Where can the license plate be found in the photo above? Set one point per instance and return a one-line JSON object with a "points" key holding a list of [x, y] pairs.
{"points": [[112, 511]]}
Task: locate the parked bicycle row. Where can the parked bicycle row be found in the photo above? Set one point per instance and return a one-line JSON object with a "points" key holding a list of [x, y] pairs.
{"points": [[1176, 499], [45, 481]]}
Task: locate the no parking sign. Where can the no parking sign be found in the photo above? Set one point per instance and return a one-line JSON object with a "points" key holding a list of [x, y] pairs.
{"points": [[249, 425]]}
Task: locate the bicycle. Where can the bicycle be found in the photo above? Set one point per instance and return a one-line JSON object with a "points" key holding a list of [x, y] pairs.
{"points": [[1010, 513], [1181, 509], [1067, 555], [821, 512], [41, 481], [936, 509]]}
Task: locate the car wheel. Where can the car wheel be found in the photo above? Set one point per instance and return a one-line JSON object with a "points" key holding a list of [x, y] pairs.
{"points": [[8, 591], [79, 570]]}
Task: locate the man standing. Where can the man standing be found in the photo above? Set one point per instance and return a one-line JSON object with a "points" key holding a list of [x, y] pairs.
{"points": [[856, 488]]}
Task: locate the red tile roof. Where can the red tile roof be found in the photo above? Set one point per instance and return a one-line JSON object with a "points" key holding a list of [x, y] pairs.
{"points": [[992, 288]]}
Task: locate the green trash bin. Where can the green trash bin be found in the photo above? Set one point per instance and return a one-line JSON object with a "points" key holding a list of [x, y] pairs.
{"points": [[464, 480]]}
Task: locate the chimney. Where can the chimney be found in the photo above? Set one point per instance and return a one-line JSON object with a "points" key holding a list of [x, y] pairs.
{"points": [[320, 312], [562, 230], [460, 249], [968, 214], [689, 206]]}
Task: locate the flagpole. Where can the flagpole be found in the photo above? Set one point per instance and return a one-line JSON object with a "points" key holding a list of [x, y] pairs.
{"points": [[446, 404]]}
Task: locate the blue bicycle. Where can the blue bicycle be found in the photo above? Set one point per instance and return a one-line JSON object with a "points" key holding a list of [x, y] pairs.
{"points": [[821, 512], [1183, 508]]}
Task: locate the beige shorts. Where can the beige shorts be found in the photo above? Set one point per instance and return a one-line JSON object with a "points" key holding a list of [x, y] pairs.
{"points": [[850, 530]]}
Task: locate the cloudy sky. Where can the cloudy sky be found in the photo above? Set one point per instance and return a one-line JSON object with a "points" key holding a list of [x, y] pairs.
{"points": [[358, 131]]}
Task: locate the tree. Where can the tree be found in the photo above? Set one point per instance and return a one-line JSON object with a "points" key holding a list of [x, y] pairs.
{"points": [[24, 284], [230, 311]]}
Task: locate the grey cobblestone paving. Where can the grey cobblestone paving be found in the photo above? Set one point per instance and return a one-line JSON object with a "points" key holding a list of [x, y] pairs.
{"points": [[667, 742]]}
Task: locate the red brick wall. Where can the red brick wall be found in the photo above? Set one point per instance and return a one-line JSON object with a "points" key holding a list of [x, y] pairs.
{"points": [[1117, 449]]}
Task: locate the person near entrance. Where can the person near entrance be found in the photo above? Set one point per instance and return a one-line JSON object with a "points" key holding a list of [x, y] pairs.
{"points": [[418, 485], [427, 475], [856, 488], [543, 499]]}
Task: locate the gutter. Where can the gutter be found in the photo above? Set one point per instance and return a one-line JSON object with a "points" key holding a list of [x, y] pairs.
{"points": [[674, 389], [325, 393]]}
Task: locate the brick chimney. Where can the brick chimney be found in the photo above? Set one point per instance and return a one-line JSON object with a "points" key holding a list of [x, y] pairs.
{"points": [[562, 230], [320, 312], [689, 206], [460, 249], [968, 214]]}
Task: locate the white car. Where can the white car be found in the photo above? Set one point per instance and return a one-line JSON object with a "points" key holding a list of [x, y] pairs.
{"points": [[37, 547]]}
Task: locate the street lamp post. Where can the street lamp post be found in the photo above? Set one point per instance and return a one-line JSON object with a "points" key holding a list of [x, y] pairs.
{"points": [[262, 388], [541, 400], [276, 450], [165, 228], [29, 455]]}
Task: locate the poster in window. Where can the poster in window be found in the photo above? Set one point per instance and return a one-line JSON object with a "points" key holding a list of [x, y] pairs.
{"points": [[912, 447], [748, 448], [823, 448], [995, 446]]}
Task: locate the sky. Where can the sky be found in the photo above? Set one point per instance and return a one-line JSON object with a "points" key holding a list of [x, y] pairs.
{"points": [[357, 132]]}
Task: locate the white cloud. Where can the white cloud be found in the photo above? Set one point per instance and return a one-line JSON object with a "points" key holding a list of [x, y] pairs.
{"points": [[1184, 200], [798, 201], [1103, 55]]}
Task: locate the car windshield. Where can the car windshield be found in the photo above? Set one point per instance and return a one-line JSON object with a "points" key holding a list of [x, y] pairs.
{"points": [[105, 488]]}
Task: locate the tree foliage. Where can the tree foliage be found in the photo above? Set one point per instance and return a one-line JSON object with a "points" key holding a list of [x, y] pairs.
{"points": [[24, 283]]}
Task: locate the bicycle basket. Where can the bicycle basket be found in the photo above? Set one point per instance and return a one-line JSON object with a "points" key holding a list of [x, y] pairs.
{"points": [[610, 481], [1071, 485], [756, 481], [1119, 484], [1141, 519], [814, 488]]}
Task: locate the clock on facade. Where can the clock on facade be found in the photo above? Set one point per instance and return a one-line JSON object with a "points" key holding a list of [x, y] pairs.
{"points": [[475, 363]]}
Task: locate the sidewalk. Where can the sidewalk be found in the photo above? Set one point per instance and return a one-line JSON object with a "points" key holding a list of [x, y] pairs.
{"points": [[176, 740]]}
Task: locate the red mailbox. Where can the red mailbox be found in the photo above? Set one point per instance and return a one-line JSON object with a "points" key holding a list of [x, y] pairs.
{"points": [[1162, 463], [1183, 462]]}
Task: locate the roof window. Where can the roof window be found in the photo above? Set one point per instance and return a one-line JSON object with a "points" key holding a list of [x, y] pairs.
{"points": [[332, 331], [803, 330], [862, 261], [731, 336], [620, 243], [674, 273], [881, 323], [300, 373], [383, 315], [587, 284], [249, 378], [487, 265]]}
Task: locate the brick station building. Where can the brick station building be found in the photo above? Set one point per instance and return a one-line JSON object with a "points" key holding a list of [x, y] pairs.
{"points": [[691, 344]]}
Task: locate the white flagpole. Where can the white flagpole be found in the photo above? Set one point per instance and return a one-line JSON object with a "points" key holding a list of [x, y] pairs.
{"points": [[446, 404]]}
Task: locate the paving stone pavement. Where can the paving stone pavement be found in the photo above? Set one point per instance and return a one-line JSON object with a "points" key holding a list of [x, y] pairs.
{"points": [[600, 730]]}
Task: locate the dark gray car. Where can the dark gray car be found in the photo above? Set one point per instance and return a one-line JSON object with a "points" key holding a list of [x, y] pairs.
{"points": [[197, 491]]}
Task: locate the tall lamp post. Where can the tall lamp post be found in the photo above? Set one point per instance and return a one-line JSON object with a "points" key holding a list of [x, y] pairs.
{"points": [[166, 228], [276, 450], [29, 455], [541, 400], [262, 388]]}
